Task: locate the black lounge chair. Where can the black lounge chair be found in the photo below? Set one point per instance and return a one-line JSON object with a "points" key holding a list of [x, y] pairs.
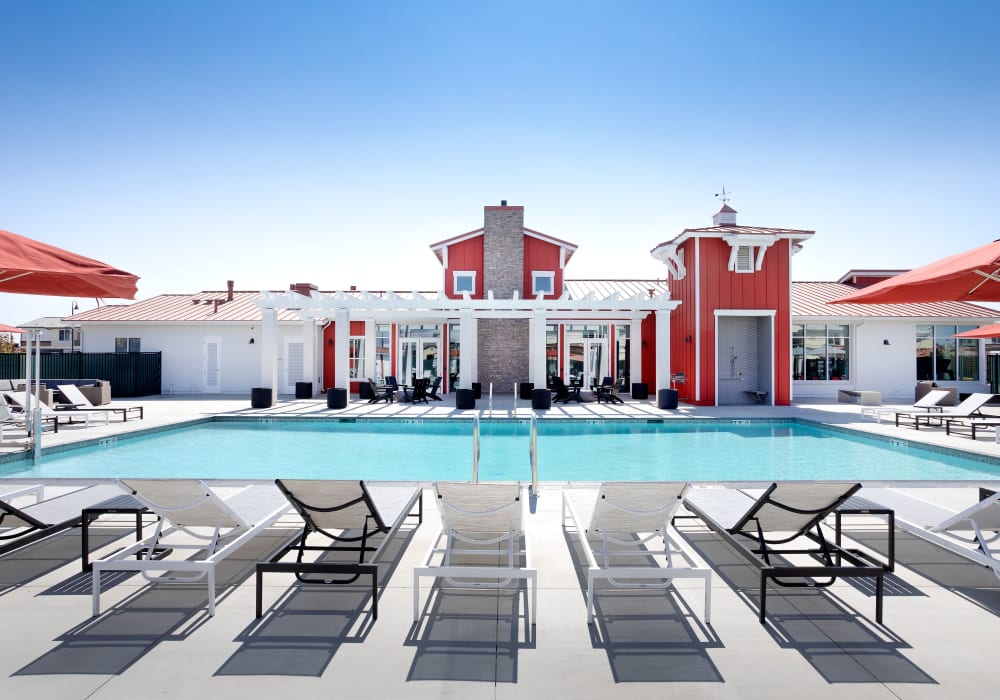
{"points": [[560, 391], [602, 391], [348, 514], [385, 394], [23, 525], [781, 514], [433, 392], [420, 390]]}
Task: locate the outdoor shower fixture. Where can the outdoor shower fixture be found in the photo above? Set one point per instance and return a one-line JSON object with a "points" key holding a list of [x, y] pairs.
{"points": [[732, 362]]}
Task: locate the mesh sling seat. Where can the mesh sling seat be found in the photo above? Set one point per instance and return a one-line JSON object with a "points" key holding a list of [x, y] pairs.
{"points": [[78, 401], [482, 523], [758, 528], [351, 516], [970, 407], [213, 526], [620, 521], [24, 524]]}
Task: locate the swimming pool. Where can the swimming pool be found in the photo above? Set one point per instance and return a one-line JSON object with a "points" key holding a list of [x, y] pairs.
{"points": [[567, 451]]}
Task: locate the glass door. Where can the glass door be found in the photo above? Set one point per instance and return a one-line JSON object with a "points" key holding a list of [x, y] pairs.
{"points": [[418, 358]]}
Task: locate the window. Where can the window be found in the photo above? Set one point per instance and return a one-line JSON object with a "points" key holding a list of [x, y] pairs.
{"points": [[543, 283], [126, 345], [940, 357], [464, 281], [65, 334], [383, 353], [356, 357], [821, 351], [551, 351]]}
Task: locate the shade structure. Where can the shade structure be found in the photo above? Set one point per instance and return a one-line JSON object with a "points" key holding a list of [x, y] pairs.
{"points": [[990, 331], [4, 328], [970, 276], [31, 267]]}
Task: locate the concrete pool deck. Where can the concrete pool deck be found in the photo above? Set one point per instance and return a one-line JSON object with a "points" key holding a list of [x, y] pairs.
{"points": [[942, 614]]}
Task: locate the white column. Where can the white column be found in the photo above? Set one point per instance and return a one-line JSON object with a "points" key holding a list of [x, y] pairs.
{"points": [[536, 349], [269, 351], [662, 349], [341, 355], [468, 349], [309, 365], [635, 344]]}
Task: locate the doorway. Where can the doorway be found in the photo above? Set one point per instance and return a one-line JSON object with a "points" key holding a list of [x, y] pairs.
{"points": [[418, 358]]}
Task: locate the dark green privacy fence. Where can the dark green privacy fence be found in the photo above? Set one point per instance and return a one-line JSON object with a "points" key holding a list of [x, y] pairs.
{"points": [[130, 373]]}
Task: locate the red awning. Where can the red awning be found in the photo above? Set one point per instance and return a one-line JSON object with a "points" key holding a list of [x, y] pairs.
{"points": [[31, 267], [990, 331], [970, 276]]}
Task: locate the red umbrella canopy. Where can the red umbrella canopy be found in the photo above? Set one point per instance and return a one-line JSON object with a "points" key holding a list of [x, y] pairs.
{"points": [[31, 267], [990, 331], [970, 276]]}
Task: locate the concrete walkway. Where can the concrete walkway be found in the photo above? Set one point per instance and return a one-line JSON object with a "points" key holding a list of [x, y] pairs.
{"points": [[942, 615]]}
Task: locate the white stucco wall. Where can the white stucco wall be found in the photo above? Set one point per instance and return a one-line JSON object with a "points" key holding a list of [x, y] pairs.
{"points": [[890, 369], [182, 347]]}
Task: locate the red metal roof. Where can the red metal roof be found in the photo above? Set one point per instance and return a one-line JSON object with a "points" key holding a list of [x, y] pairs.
{"points": [[725, 230], [578, 289], [811, 299], [185, 308]]}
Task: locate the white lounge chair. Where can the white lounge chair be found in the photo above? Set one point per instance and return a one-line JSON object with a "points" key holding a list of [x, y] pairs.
{"points": [[48, 413], [489, 518], [972, 406], [759, 528], [353, 516], [931, 401], [21, 421], [219, 525], [617, 521], [970, 533], [79, 402]]}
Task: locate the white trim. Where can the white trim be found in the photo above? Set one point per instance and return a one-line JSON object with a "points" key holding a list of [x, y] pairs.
{"points": [[746, 312], [543, 274], [697, 319], [455, 274]]}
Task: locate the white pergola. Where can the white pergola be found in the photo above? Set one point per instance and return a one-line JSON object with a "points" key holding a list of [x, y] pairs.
{"points": [[342, 307]]}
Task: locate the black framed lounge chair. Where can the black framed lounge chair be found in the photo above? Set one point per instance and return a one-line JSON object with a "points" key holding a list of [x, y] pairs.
{"points": [[759, 528], [432, 393], [24, 524], [603, 390], [385, 394], [969, 408], [352, 517], [560, 391], [420, 390], [618, 522], [77, 401]]}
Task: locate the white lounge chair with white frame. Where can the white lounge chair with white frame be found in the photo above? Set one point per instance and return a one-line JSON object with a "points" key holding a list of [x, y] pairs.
{"points": [[617, 522], [475, 519], [972, 532], [219, 525], [16, 399], [928, 403]]}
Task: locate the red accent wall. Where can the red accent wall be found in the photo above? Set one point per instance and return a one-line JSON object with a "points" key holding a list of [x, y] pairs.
{"points": [[767, 288], [464, 255], [541, 256], [329, 348], [647, 337]]}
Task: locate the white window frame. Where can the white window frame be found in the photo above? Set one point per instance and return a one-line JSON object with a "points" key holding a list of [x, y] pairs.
{"points": [[456, 274], [543, 274]]}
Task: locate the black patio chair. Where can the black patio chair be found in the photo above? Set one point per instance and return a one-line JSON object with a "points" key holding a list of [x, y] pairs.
{"points": [[386, 394], [433, 391]]}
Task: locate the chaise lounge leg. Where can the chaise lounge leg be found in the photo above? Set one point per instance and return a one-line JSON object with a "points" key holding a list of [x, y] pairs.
{"points": [[763, 596]]}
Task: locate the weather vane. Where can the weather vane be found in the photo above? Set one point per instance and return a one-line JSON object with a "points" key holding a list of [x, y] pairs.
{"points": [[724, 196]]}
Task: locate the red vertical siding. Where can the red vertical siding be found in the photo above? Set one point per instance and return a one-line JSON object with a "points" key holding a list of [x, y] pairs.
{"points": [[329, 353], [683, 326], [540, 256], [464, 255]]}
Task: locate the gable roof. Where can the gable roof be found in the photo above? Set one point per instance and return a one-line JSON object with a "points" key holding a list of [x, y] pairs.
{"points": [[440, 246]]}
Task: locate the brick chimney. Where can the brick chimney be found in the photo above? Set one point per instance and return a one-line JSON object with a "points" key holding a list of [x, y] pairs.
{"points": [[229, 290], [503, 250], [303, 288]]}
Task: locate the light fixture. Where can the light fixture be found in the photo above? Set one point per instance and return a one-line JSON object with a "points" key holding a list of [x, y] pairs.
{"points": [[687, 339], [885, 342], [251, 341]]}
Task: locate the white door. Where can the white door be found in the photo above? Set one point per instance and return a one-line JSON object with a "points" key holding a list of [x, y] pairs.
{"points": [[211, 365], [294, 363]]}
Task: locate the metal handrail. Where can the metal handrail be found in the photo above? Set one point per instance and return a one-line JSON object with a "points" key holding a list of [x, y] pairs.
{"points": [[533, 454], [475, 449]]}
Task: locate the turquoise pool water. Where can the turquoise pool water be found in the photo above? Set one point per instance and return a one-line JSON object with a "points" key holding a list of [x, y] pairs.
{"points": [[589, 451]]}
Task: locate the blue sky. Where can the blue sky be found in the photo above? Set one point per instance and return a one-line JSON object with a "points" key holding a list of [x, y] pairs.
{"points": [[332, 142]]}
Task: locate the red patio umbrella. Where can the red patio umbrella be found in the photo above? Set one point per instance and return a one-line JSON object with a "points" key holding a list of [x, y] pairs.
{"points": [[31, 267], [990, 331], [970, 276]]}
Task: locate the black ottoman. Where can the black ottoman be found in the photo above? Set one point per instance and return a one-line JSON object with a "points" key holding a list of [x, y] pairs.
{"points": [[524, 390], [465, 398], [303, 390], [640, 390], [260, 397], [336, 398], [477, 389], [365, 391], [541, 399], [667, 399]]}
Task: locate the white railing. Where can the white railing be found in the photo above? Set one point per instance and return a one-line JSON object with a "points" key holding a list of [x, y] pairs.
{"points": [[491, 399], [533, 454]]}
